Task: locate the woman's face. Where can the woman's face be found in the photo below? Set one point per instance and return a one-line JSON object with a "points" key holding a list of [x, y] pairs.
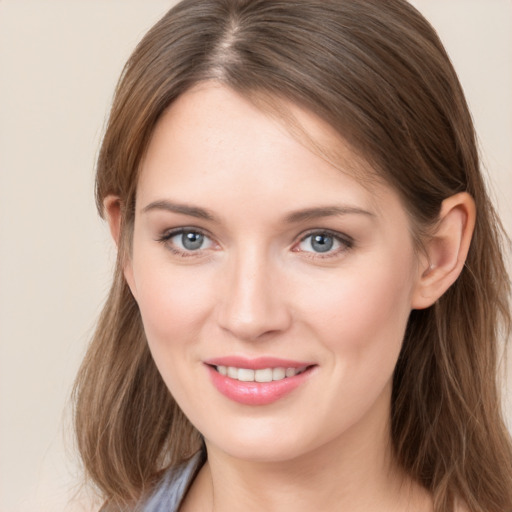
{"points": [[274, 288]]}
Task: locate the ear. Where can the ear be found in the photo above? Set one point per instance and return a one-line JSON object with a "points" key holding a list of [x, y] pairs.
{"points": [[112, 210], [446, 250]]}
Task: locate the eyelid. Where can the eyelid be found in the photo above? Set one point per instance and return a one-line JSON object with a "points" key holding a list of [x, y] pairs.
{"points": [[343, 237], [169, 233]]}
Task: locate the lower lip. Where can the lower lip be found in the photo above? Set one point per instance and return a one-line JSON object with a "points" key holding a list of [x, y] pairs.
{"points": [[256, 393]]}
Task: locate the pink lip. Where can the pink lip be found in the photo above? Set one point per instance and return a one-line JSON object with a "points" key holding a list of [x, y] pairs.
{"points": [[256, 393]]}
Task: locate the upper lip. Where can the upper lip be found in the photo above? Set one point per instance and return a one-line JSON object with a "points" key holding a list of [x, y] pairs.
{"points": [[257, 363]]}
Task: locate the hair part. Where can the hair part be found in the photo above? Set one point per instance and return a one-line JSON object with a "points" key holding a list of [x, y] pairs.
{"points": [[376, 73]]}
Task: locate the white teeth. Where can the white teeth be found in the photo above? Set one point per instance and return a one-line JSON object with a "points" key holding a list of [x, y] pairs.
{"points": [[245, 375], [261, 375], [290, 372], [278, 373]]}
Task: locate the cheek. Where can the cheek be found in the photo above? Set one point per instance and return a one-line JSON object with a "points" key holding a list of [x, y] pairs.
{"points": [[360, 319], [174, 310], [362, 314], [173, 301]]}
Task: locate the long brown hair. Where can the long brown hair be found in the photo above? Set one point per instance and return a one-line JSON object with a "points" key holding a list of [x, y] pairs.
{"points": [[378, 74]]}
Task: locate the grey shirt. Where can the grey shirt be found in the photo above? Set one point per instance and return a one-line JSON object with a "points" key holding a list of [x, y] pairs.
{"points": [[170, 491]]}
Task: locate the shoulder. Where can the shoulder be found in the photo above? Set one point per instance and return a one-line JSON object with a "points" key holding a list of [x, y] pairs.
{"points": [[167, 495]]}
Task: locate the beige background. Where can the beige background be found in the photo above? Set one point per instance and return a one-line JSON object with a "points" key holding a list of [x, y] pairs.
{"points": [[59, 61]]}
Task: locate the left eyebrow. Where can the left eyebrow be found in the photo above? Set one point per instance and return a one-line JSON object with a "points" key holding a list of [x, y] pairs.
{"points": [[324, 211], [185, 209]]}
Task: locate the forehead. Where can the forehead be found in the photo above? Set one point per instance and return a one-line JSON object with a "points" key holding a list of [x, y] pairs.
{"points": [[212, 142]]}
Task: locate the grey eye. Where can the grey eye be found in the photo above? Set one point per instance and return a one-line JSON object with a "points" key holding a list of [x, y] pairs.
{"points": [[191, 240], [321, 242], [187, 241]]}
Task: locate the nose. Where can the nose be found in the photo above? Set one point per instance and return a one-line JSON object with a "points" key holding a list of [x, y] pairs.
{"points": [[253, 304]]}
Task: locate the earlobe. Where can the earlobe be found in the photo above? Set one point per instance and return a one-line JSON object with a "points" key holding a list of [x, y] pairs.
{"points": [[446, 250], [113, 214]]}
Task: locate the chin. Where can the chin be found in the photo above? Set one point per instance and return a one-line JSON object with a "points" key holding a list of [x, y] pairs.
{"points": [[269, 452], [264, 442]]}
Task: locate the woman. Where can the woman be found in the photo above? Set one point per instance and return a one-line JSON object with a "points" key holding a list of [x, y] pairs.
{"points": [[309, 288]]}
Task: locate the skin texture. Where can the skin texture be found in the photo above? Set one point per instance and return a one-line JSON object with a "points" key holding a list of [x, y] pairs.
{"points": [[258, 287]]}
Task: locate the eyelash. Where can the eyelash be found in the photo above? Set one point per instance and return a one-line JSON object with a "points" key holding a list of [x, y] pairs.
{"points": [[168, 235], [346, 242]]}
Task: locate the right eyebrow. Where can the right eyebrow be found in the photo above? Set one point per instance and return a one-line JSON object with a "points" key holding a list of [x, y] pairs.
{"points": [[325, 211], [185, 209]]}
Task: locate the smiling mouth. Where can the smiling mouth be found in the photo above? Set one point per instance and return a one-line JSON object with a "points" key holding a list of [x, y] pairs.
{"points": [[260, 375], [267, 379]]}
